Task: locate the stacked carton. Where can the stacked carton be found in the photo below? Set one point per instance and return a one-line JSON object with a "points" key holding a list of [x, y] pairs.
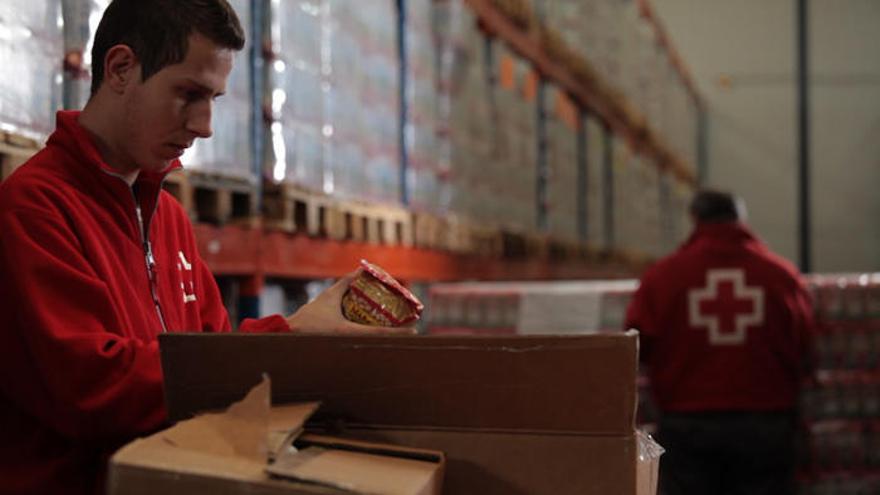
{"points": [[430, 32], [295, 92], [380, 100], [596, 207], [528, 307], [547, 414], [332, 98], [841, 438], [634, 58], [562, 127]]}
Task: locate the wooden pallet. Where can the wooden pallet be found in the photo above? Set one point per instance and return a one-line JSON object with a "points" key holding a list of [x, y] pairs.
{"points": [[214, 199], [373, 223], [486, 241], [635, 259], [587, 252], [19, 141], [290, 208], [429, 231], [563, 250], [457, 235], [14, 151]]}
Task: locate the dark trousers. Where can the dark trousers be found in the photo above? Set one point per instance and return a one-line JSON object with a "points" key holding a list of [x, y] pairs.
{"points": [[727, 453]]}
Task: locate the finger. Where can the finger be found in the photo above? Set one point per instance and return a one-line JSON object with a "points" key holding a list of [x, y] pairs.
{"points": [[341, 285], [348, 277]]}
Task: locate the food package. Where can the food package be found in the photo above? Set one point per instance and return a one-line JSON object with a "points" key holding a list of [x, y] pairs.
{"points": [[375, 298]]}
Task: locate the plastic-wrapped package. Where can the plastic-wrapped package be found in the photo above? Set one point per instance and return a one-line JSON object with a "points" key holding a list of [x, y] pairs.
{"points": [[562, 165], [81, 18], [296, 85], [623, 157], [375, 298], [346, 150], [669, 213], [228, 153], [423, 123], [379, 99], [31, 54], [595, 181], [652, 208], [648, 467], [682, 194], [514, 123], [359, 81], [526, 308], [464, 71]]}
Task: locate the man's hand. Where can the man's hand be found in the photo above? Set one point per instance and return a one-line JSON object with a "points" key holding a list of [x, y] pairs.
{"points": [[324, 314]]}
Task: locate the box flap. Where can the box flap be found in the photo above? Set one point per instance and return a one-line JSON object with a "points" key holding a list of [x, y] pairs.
{"points": [[240, 431], [222, 451], [248, 429], [572, 384], [286, 423]]}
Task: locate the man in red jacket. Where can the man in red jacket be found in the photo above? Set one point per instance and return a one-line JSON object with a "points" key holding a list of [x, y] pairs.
{"points": [[726, 332], [96, 260]]}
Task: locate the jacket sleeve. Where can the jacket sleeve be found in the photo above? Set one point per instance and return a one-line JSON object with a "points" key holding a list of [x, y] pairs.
{"points": [[269, 324], [64, 359], [213, 313]]}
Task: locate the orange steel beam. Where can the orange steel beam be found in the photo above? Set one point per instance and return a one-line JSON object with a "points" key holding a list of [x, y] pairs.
{"points": [[258, 254]]}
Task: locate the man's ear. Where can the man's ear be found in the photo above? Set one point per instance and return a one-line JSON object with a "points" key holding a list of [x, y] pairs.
{"points": [[120, 68]]}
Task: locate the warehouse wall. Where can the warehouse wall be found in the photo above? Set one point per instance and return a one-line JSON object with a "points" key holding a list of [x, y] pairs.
{"points": [[742, 55]]}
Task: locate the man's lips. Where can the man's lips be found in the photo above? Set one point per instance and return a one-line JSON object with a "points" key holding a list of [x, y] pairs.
{"points": [[179, 149]]}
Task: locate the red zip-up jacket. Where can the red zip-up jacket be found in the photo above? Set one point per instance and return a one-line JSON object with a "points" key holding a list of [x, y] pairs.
{"points": [[726, 325], [90, 274]]}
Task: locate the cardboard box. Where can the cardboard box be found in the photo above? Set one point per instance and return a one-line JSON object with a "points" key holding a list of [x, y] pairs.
{"points": [[227, 453], [514, 415]]}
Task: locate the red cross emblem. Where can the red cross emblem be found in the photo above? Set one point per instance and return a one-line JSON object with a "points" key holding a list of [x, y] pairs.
{"points": [[726, 306]]}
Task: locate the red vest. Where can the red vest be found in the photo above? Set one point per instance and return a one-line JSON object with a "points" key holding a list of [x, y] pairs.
{"points": [[725, 325]]}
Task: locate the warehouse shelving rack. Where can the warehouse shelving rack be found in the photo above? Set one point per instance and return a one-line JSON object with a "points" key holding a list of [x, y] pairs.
{"points": [[591, 98]]}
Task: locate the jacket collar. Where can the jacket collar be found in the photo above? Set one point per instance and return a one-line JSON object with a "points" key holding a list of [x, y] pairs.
{"points": [[727, 232], [71, 135]]}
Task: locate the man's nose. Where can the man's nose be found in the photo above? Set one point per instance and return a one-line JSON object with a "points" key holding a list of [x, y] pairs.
{"points": [[199, 120]]}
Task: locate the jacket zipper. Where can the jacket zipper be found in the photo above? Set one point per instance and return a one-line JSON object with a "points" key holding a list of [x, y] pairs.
{"points": [[151, 266]]}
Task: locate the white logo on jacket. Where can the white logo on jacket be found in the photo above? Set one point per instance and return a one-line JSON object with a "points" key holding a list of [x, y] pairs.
{"points": [[184, 265], [726, 305]]}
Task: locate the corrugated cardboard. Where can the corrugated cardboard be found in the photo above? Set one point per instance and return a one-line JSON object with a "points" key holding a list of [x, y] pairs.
{"points": [[515, 415], [574, 384], [227, 453]]}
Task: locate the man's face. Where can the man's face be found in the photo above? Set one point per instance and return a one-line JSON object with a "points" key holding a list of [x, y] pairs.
{"points": [[167, 112]]}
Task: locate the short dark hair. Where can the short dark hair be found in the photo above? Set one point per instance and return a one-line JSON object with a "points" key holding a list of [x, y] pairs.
{"points": [[714, 206], [158, 31]]}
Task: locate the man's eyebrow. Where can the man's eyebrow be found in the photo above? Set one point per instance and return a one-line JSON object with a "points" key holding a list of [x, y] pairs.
{"points": [[204, 89]]}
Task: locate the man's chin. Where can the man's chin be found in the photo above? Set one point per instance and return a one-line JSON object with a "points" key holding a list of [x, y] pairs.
{"points": [[158, 166]]}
